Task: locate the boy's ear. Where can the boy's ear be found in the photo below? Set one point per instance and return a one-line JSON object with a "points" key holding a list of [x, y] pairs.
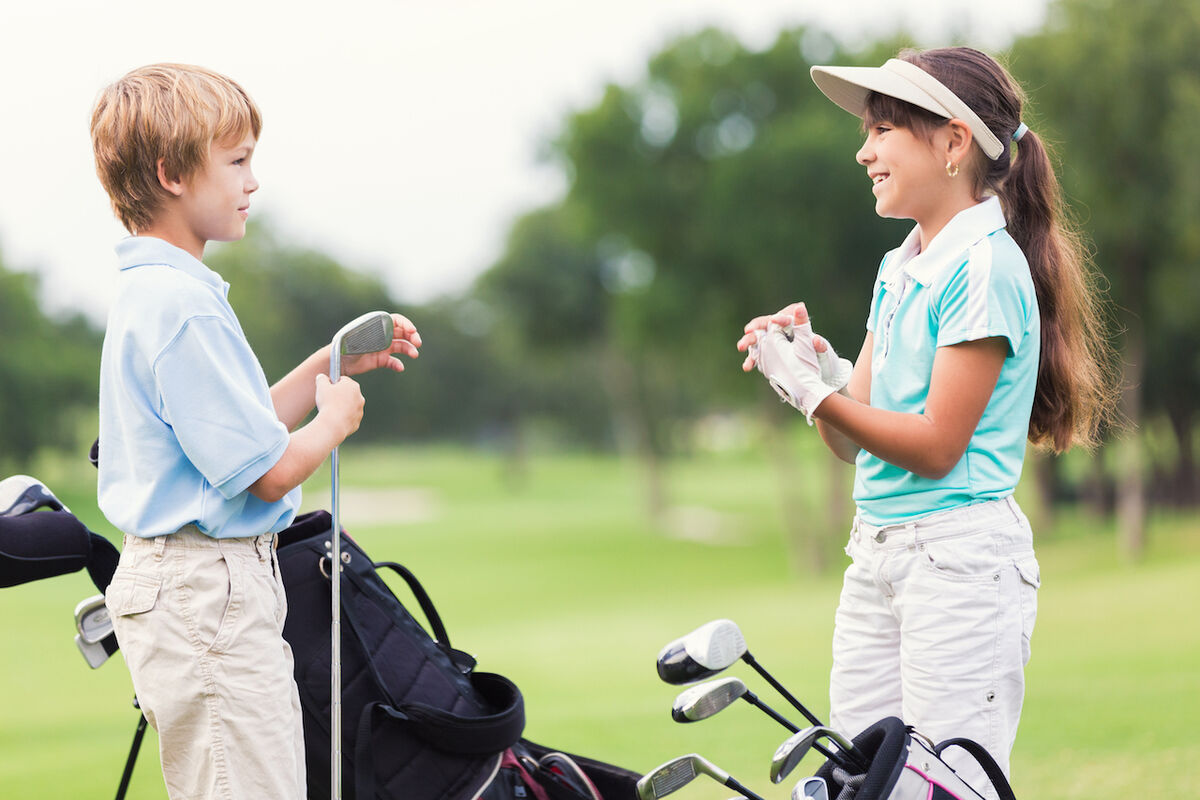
{"points": [[172, 183]]}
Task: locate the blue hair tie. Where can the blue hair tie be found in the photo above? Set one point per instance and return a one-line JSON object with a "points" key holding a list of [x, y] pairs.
{"points": [[1021, 130]]}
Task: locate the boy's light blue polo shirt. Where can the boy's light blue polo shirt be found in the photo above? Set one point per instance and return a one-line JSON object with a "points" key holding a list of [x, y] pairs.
{"points": [[186, 418], [971, 283]]}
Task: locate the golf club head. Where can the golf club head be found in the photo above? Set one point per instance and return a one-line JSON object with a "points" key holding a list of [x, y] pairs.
{"points": [[796, 747], [706, 699], [704, 652], [21, 494], [94, 631], [813, 788], [675, 774], [370, 333], [92, 621]]}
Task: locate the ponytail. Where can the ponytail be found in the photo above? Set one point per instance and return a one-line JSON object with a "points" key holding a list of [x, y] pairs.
{"points": [[1076, 385]]}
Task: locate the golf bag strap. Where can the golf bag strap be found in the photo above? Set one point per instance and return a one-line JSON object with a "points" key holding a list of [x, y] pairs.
{"points": [[431, 614], [444, 730], [981, 755]]}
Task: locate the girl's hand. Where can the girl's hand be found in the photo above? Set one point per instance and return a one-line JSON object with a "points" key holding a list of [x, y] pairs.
{"points": [[405, 341], [790, 315]]}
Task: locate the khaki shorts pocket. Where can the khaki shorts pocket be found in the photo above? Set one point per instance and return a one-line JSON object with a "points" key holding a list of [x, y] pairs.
{"points": [[130, 594]]}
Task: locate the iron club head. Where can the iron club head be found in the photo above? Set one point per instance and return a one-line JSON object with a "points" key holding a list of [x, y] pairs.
{"points": [[813, 788], [706, 699], [796, 747], [370, 333], [704, 652], [679, 772]]}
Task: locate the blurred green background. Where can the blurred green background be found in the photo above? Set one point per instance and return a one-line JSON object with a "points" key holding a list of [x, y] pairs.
{"points": [[582, 471]]}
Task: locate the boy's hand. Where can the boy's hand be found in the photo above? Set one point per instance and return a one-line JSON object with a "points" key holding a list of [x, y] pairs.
{"points": [[405, 341], [340, 403]]}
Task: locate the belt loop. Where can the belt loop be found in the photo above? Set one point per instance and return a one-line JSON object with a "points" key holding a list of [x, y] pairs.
{"points": [[160, 545]]}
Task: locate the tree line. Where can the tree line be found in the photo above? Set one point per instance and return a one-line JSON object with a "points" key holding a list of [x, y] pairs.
{"points": [[717, 187]]}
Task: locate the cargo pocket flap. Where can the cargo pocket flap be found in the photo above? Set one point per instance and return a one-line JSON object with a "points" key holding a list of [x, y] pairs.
{"points": [[132, 595], [1030, 572]]}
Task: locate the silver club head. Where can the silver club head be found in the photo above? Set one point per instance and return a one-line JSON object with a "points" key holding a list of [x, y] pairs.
{"points": [[370, 333], [796, 747], [675, 774], [92, 621], [706, 699], [20, 494], [704, 652], [813, 788]]}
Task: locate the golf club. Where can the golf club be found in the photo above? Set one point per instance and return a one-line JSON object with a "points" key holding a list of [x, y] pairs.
{"points": [[370, 333], [706, 699], [20, 494], [796, 747], [94, 631], [813, 788], [679, 772], [711, 648]]}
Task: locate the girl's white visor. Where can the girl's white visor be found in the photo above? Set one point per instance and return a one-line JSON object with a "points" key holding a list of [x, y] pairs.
{"points": [[849, 87]]}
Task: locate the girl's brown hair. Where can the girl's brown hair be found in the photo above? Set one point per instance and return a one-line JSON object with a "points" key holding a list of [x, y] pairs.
{"points": [[1076, 384]]}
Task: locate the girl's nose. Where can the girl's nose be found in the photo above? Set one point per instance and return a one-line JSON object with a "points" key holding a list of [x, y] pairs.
{"points": [[865, 154]]}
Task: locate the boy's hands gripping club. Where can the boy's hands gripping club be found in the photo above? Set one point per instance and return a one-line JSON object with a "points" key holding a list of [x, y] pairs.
{"points": [[801, 366]]}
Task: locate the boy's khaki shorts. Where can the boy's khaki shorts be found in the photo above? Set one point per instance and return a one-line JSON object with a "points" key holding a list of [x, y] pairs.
{"points": [[200, 624]]}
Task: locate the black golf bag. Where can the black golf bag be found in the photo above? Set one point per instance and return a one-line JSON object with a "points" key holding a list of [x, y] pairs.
{"points": [[420, 722], [907, 766]]}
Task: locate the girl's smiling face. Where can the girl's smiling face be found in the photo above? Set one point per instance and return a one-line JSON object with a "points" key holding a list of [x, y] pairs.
{"points": [[907, 173]]}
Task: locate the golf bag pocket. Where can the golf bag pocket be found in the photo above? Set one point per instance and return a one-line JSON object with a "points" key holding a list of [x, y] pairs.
{"points": [[419, 722], [533, 772], [906, 766]]}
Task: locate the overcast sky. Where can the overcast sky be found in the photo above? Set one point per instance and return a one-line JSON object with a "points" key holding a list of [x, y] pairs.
{"points": [[402, 137]]}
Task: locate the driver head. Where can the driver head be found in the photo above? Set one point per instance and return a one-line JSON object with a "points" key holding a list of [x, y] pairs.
{"points": [[704, 652]]}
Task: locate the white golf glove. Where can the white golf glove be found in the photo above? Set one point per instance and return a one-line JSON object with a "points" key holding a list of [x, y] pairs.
{"points": [[787, 358], [835, 372]]}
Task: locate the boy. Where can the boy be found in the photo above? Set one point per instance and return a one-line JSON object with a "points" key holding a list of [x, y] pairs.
{"points": [[200, 464]]}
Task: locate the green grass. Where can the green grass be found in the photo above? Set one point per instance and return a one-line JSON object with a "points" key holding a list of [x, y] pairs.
{"points": [[552, 574]]}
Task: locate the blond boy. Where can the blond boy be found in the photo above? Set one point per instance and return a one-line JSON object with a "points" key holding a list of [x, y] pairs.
{"points": [[202, 461]]}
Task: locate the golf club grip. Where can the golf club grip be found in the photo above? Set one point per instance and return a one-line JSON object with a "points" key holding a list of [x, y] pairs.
{"points": [[742, 790], [777, 686]]}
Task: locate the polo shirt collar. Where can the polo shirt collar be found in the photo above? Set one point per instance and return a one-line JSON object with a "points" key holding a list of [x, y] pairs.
{"points": [[965, 229], [140, 251]]}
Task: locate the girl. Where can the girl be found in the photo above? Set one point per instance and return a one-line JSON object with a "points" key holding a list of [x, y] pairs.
{"points": [[984, 330]]}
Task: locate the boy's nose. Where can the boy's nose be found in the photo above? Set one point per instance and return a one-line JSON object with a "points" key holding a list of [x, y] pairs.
{"points": [[864, 155], [252, 185]]}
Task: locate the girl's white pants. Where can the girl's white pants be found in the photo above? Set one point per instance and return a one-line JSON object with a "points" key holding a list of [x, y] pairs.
{"points": [[934, 625]]}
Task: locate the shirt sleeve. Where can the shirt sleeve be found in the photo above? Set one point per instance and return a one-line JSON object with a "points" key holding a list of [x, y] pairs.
{"points": [[215, 397], [981, 300]]}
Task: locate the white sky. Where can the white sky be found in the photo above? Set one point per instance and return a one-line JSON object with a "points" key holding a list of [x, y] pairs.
{"points": [[399, 136]]}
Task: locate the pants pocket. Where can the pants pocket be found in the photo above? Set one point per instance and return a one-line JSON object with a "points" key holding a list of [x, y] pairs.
{"points": [[1031, 581], [211, 601]]}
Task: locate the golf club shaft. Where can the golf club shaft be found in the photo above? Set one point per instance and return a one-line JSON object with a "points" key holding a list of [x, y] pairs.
{"points": [[335, 627], [777, 686], [742, 790], [752, 699]]}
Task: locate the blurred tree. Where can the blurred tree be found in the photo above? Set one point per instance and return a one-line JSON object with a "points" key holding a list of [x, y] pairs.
{"points": [[48, 373], [1119, 85]]}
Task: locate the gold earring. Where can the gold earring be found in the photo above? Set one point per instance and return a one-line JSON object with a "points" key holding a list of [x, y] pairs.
{"points": [[951, 169]]}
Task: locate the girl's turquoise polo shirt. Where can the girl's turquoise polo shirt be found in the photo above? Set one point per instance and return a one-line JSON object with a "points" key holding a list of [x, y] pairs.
{"points": [[186, 418], [971, 283]]}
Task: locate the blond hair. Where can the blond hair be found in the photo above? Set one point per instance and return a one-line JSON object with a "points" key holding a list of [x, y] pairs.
{"points": [[163, 112]]}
